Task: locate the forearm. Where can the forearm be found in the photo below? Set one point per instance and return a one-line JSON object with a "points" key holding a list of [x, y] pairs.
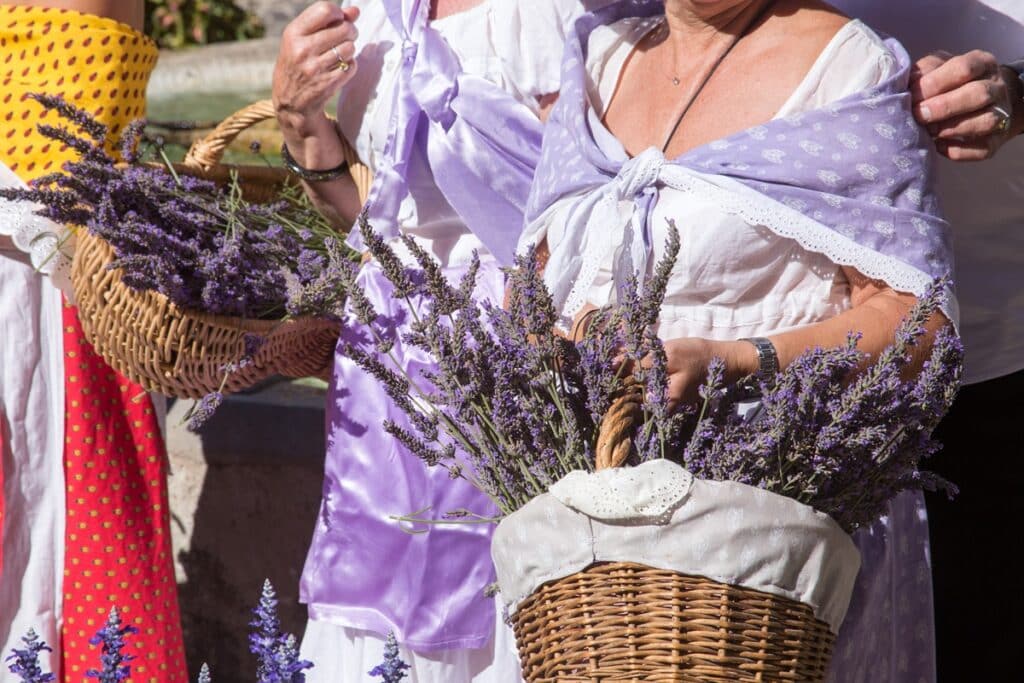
{"points": [[318, 145], [876, 313], [129, 12]]}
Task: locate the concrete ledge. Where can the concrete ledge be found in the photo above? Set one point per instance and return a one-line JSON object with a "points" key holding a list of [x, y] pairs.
{"points": [[215, 69]]}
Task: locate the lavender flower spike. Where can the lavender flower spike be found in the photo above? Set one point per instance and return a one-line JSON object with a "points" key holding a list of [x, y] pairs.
{"points": [[112, 639], [392, 669], [26, 661], [204, 674]]}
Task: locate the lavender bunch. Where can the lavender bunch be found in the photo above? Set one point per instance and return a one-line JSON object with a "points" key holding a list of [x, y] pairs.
{"points": [[115, 664], [830, 433], [25, 662], [277, 653], [512, 406], [392, 669], [202, 246]]}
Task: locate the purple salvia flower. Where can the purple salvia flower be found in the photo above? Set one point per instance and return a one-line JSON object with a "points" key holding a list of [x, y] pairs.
{"points": [[25, 661], [276, 653], [114, 663], [392, 669]]}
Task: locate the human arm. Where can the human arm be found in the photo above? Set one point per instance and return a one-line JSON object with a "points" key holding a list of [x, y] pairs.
{"points": [[876, 312], [306, 76], [130, 12], [959, 97]]}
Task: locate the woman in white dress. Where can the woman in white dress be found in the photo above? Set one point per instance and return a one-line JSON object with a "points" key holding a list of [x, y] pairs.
{"points": [[443, 101], [800, 186]]}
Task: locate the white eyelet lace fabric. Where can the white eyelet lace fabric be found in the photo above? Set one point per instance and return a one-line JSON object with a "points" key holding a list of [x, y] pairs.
{"points": [[738, 200], [647, 493], [728, 532], [49, 246]]}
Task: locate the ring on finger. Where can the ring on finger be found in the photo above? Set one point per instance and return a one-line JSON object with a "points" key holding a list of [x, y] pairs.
{"points": [[342, 62], [1004, 119]]}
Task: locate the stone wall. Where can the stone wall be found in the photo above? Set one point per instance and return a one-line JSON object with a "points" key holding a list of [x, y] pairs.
{"points": [[244, 497]]}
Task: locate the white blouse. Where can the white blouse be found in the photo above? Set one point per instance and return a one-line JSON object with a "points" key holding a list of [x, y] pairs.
{"points": [[516, 44], [732, 278]]}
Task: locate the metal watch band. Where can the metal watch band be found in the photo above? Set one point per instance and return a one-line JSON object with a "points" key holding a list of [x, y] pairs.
{"points": [[309, 174], [767, 357], [1018, 68]]}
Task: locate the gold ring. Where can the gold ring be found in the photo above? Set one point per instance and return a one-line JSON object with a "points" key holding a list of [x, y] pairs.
{"points": [[1004, 119], [342, 64]]}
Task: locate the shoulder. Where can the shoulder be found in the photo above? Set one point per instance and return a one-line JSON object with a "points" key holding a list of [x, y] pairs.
{"points": [[803, 28], [834, 56]]}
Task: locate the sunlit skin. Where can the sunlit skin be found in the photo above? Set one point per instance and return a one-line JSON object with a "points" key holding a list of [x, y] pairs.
{"points": [[131, 12], [644, 109]]}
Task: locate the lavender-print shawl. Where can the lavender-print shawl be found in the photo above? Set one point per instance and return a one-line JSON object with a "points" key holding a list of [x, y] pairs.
{"points": [[852, 181], [482, 144]]}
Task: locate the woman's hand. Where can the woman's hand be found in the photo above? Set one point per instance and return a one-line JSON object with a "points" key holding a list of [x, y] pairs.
{"points": [[315, 60], [688, 361], [964, 101]]}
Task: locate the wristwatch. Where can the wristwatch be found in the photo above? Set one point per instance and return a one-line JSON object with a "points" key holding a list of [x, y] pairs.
{"points": [[1017, 67], [767, 357]]}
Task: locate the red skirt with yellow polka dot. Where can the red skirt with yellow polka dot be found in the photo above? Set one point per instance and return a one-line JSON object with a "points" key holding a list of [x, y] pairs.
{"points": [[117, 538]]}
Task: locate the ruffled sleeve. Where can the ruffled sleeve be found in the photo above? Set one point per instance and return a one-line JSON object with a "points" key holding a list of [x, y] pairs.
{"points": [[47, 245], [855, 60], [528, 38]]}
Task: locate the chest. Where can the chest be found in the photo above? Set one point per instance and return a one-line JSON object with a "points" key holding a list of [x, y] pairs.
{"points": [[678, 105], [439, 9]]}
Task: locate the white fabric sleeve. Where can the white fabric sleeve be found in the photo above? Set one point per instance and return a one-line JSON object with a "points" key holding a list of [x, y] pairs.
{"points": [[47, 246], [529, 38], [855, 60]]}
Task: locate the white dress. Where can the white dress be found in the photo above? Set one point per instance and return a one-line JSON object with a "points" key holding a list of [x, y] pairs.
{"points": [[516, 44], [32, 415], [736, 279], [731, 279]]}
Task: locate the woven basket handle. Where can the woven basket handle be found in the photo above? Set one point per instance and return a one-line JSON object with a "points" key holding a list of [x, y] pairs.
{"points": [[615, 438], [207, 152]]}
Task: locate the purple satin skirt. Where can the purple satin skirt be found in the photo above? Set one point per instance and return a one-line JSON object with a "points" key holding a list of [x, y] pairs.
{"points": [[889, 631], [364, 569]]}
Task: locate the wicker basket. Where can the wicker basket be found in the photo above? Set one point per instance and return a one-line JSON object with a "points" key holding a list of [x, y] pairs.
{"points": [[179, 352], [618, 621]]}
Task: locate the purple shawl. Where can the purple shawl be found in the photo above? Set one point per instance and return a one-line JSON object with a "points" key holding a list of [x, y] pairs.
{"points": [[852, 180], [482, 144]]}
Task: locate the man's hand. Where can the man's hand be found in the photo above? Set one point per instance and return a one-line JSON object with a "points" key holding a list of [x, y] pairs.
{"points": [[961, 99]]}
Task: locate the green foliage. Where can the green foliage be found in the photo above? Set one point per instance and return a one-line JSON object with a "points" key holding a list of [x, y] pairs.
{"points": [[176, 23]]}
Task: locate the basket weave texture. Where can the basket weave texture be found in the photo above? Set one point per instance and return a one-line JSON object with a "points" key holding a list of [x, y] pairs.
{"points": [[621, 621], [182, 353], [626, 622]]}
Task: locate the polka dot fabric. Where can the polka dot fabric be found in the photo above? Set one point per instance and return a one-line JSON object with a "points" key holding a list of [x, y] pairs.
{"points": [[118, 546], [117, 542]]}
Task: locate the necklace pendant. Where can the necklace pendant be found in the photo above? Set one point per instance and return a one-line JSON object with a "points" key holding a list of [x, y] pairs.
{"points": [[675, 80]]}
